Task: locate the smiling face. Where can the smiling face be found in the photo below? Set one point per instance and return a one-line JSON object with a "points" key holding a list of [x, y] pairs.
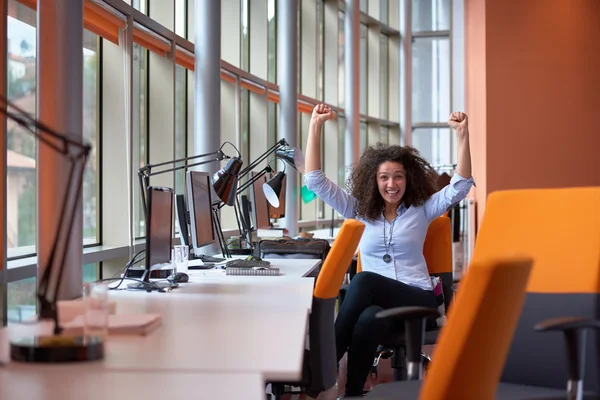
{"points": [[391, 181]]}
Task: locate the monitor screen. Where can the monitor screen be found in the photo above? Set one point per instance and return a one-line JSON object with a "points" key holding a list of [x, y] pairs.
{"points": [[279, 212], [260, 205], [181, 216], [200, 208], [246, 211], [159, 225]]}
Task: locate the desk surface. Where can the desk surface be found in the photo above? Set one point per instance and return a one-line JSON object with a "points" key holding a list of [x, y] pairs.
{"points": [[202, 333], [69, 382]]}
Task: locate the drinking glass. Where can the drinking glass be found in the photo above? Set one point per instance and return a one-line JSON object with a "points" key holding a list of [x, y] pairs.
{"points": [[95, 306], [181, 256]]}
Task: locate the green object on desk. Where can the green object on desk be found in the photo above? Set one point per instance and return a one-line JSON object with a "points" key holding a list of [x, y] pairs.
{"points": [[307, 194]]}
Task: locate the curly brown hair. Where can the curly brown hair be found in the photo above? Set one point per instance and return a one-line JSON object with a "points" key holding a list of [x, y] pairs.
{"points": [[362, 183]]}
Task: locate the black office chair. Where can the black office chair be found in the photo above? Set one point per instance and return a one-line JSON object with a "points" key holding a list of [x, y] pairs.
{"points": [[438, 254]]}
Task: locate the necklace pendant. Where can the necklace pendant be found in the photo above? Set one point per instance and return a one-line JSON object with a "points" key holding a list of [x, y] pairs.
{"points": [[387, 258]]}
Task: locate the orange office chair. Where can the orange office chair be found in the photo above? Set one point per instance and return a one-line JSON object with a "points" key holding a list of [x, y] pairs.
{"points": [[475, 341], [320, 362], [560, 230]]}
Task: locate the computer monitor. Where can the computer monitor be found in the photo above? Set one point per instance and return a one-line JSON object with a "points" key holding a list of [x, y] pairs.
{"points": [[246, 211], [159, 234], [260, 205], [182, 219], [200, 209], [279, 212]]}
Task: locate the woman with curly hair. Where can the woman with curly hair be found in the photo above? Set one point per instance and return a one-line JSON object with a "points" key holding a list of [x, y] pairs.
{"points": [[393, 191]]}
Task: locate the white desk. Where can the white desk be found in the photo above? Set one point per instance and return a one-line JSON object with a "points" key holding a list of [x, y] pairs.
{"points": [[203, 333], [69, 382], [291, 292]]}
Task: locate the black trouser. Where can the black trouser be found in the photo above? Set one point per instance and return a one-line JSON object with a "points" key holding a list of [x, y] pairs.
{"points": [[359, 332]]}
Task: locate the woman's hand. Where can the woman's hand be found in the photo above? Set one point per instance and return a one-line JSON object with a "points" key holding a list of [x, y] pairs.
{"points": [[321, 113], [459, 122]]}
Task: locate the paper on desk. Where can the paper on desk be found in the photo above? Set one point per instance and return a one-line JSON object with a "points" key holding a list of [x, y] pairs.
{"points": [[119, 324]]}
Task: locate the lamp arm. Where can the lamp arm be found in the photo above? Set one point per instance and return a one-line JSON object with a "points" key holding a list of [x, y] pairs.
{"points": [[145, 172], [32, 125], [256, 177], [253, 164]]}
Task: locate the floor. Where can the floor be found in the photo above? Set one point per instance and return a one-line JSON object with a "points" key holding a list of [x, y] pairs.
{"points": [[384, 374]]}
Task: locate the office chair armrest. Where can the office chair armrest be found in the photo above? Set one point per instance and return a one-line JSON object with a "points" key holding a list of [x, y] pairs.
{"points": [[574, 330], [415, 319], [406, 313], [567, 323]]}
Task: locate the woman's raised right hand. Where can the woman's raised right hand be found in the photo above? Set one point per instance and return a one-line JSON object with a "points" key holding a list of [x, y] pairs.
{"points": [[321, 113]]}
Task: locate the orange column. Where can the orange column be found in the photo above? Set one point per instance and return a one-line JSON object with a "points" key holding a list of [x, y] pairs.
{"points": [[533, 93]]}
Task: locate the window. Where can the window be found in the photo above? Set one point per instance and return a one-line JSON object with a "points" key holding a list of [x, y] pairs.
{"points": [[384, 79], [21, 145], [272, 45], [180, 17], [430, 15], [341, 62], [363, 68], [21, 301], [91, 130], [431, 79], [140, 130], [180, 125]]}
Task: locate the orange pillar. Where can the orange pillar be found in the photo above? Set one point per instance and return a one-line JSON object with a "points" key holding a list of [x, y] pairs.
{"points": [[533, 93]]}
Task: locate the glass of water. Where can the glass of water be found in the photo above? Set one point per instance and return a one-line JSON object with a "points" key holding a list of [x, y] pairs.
{"points": [[180, 259], [95, 306]]}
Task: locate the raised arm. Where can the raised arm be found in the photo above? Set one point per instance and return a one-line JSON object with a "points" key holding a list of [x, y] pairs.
{"points": [[315, 179], [462, 181], [312, 156], [460, 123]]}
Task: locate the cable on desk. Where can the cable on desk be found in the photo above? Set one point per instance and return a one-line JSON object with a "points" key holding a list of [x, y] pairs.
{"points": [[134, 260]]}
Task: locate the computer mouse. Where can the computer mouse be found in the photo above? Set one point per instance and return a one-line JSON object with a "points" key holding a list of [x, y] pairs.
{"points": [[179, 277]]}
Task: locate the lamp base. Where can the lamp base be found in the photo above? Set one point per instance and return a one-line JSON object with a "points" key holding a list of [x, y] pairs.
{"points": [[57, 349]]}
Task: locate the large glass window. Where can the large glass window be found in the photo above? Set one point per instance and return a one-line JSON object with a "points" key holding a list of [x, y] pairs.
{"points": [[91, 196], [430, 15], [180, 125], [140, 129], [434, 145], [431, 79], [341, 62], [384, 78], [363, 68], [180, 17], [21, 145], [21, 301], [21, 176], [272, 42]]}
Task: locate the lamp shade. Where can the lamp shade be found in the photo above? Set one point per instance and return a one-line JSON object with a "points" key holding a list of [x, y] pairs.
{"points": [[225, 180], [272, 189], [292, 156]]}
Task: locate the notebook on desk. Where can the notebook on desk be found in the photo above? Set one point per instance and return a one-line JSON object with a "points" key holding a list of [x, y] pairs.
{"points": [[253, 271], [119, 324]]}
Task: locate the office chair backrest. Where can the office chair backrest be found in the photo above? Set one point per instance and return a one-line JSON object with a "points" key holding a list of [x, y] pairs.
{"points": [[474, 343], [323, 357], [335, 265], [437, 250], [560, 229]]}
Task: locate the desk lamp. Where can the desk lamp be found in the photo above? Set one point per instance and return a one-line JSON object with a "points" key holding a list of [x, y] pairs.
{"points": [[55, 347], [223, 182], [290, 155]]}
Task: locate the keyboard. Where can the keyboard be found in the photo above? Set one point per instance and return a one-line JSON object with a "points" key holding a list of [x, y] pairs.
{"points": [[242, 263]]}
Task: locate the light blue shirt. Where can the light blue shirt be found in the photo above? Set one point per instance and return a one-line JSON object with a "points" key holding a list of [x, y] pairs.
{"points": [[409, 228]]}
